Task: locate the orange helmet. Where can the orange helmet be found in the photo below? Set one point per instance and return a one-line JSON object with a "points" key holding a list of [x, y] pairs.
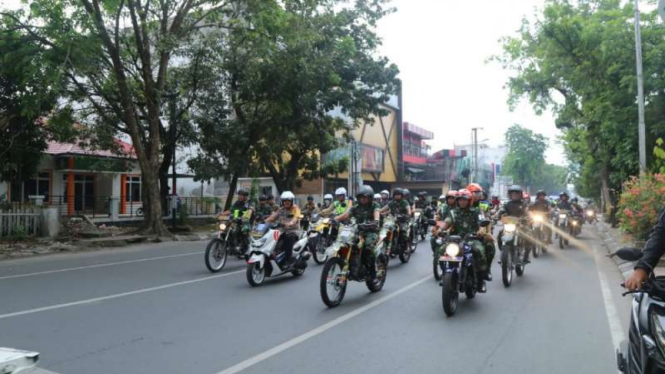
{"points": [[474, 187], [451, 193], [464, 194]]}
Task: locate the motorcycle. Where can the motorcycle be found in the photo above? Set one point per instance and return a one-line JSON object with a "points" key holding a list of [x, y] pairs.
{"points": [[389, 237], [437, 270], [265, 262], [539, 233], [575, 227], [320, 238], [512, 250], [590, 216], [459, 270], [644, 351], [420, 225], [229, 240], [345, 262], [563, 227]]}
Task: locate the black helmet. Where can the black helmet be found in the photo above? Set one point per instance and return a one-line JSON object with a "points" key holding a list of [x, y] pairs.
{"points": [[514, 188], [243, 192], [366, 191], [422, 194], [271, 197], [398, 191], [541, 193], [310, 198], [263, 198], [564, 193]]}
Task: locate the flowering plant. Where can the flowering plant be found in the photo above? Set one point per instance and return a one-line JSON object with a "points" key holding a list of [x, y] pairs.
{"points": [[640, 203]]}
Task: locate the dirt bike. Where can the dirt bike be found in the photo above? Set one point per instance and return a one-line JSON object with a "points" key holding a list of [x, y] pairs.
{"points": [[229, 240], [320, 238], [389, 236], [513, 250], [347, 261], [539, 231]]}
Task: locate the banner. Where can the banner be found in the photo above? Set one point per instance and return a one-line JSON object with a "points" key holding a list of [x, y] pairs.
{"points": [[372, 158]]}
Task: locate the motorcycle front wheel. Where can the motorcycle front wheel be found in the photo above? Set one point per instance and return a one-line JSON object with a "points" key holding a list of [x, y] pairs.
{"points": [[561, 239], [414, 241], [470, 288], [507, 266], [319, 254], [436, 268], [255, 274], [376, 284], [216, 255], [536, 247], [333, 282], [449, 294], [405, 253]]}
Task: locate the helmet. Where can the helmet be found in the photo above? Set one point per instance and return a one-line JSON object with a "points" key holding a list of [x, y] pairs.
{"points": [[541, 193], [310, 198], [377, 196], [464, 194], [287, 195], [243, 192], [451, 193], [385, 192], [442, 197], [416, 199], [398, 191], [407, 193], [564, 193], [271, 197], [422, 194], [263, 198], [474, 187], [366, 191], [340, 191], [328, 197], [514, 188]]}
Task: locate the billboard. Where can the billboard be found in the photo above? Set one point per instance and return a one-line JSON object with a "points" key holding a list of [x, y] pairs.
{"points": [[372, 158]]}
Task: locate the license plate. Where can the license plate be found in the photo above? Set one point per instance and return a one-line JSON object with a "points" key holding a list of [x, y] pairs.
{"points": [[450, 259]]}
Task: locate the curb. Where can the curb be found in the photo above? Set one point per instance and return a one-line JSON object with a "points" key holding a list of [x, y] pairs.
{"points": [[193, 237], [625, 267]]}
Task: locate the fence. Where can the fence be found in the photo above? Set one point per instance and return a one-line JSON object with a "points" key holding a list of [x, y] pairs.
{"points": [[20, 222]]}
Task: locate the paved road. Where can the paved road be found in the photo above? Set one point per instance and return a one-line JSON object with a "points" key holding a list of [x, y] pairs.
{"points": [[156, 309]]}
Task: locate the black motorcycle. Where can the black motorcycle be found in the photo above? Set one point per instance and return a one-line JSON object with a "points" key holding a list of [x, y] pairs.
{"points": [[644, 351], [229, 240]]}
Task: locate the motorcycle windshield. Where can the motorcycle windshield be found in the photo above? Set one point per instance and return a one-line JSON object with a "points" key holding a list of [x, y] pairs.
{"points": [[346, 235]]}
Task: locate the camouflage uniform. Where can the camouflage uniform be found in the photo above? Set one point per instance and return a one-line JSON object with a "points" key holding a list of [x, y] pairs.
{"points": [[400, 207], [263, 211], [240, 209], [308, 211], [365, 214], [463, 222], [443, 212]]}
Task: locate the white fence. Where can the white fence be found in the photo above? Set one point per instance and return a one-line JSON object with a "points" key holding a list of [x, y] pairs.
{"points": [[20, 222]]}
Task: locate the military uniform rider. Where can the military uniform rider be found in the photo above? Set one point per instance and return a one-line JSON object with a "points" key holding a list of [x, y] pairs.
{"points": [[289, 216], [366, 211], [308, 211], [541, 205], [514, 208], [271, 203], [244, 209], [400, 207], [264, 210], [465, 220], [449, 202], [385, 198], [479, 201]]}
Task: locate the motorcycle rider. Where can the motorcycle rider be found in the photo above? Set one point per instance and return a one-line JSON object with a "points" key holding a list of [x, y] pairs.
{"points": [[450, 199], [263, 210], [399, 207], [651, 254], [341, 205], [514, 208], [496, 202], [271, 203], [484, 204], [308, 212], [385, 198], [541, 205], [465, 220], [327, 201], [476, 202], [409, 198], [377, 198], [289, 216], [244, 209], [366, 211]]}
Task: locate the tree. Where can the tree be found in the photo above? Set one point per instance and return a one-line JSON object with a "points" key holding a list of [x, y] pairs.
{"points": [[577, 59], [284, 76], [525, 159], [117, 56]]}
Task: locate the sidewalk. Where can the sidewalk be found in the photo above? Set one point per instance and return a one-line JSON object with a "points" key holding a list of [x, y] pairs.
{"points": [[614, 240]]}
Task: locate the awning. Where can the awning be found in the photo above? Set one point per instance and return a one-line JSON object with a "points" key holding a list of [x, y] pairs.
{"points": [[414, 170]]}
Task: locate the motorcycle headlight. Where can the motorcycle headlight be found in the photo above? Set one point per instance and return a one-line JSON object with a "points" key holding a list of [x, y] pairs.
{"points": [[509, 227], [659, 331], [439, 241], [452, 249], [589, 213], [222, 226], [562, 216], [538, 218], [417, 215], [574, 223], [259, 242]]}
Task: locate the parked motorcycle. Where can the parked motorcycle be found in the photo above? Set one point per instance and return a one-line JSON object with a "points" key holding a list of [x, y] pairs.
{"points": [[320, 238], [266, 262], [389, 237], [345, 262], [513, 250], [229, 240], [459, 270], [644, 351]]}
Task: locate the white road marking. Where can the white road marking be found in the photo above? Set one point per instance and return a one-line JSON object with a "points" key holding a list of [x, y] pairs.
{"points": [[98, 266], [319, 330], [115, 296], [610, 310]]}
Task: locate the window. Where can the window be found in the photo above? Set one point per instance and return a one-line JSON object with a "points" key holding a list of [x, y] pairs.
{"points": [[38, 185], [133, 189]]}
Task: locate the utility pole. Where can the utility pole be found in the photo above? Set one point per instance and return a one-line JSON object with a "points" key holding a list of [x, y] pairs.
{"points": [[474, 140], [640, 91]]}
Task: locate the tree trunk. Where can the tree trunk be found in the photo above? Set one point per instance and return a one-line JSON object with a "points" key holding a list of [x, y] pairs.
{"points": [[232, 190], [605, 192], [167, 152]]}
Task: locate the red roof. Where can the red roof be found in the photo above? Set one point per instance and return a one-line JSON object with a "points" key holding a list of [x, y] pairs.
{"points": [[55, 148]]}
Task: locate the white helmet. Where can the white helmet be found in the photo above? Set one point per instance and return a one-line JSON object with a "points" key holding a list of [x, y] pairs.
{"points": [[328, 197], [377, 196], [442, 197], [340, 191], [287, 195], [385, 192]]}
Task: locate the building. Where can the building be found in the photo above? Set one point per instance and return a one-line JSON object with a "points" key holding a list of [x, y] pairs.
{"points": [[490, 162]]}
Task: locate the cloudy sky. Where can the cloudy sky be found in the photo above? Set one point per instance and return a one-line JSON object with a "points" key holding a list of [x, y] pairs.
{"points": [[440, 47]]}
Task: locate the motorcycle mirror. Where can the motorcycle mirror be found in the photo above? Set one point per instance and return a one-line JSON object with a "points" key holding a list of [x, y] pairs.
{"points": [[484, 223], [629, 254]]}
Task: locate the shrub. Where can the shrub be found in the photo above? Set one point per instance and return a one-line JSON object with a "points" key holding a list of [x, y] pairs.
{"points": [[640, 202]]}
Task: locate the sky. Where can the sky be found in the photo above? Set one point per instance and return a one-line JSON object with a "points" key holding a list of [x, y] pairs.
{"points": [[440, 47]]}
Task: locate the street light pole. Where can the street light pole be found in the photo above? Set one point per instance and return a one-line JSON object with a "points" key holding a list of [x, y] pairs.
{"points": [[475, 153], [640, 91]]}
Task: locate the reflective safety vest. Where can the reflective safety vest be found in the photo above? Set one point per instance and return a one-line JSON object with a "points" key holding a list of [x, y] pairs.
{"points": [[341, 208]]}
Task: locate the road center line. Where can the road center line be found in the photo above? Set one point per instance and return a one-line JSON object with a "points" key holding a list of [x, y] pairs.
{"points": [[319, 330], [98, 265], [115, 296]]}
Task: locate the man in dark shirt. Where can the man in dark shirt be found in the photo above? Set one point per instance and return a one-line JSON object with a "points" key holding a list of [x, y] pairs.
{"points": [[652, 252], [541, 205]]}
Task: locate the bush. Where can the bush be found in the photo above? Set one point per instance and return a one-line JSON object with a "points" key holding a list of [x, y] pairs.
{"points": [[19, 233], [183, 214], [640, 202]]}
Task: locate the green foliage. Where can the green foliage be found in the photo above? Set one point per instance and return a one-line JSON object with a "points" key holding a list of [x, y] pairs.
{"points": [[18, 233], [659, 157], [525, 159], [552, 179], [639, 204], [183, 214]]}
